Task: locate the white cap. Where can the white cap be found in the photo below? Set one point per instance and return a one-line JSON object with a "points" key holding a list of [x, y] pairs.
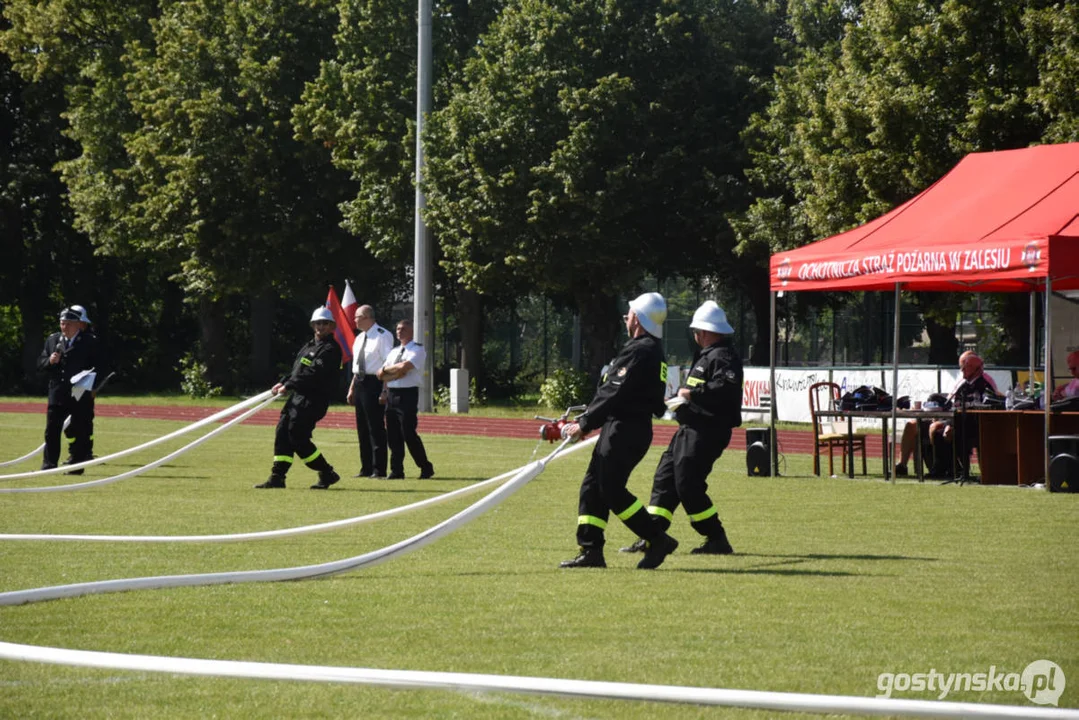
{"points": [[322, 313], [711, 317], [651, 311], [83, 317]]}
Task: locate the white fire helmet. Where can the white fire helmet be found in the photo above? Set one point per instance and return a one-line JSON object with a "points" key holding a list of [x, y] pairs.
{"points": [[711, 317], [83, 317], [651, 311], [322, 313]]}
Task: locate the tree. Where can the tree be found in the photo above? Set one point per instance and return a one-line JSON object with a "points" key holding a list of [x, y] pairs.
{"points": [[864, 118], [589, 145], [183, 114], [362, 105], [35, 222]]}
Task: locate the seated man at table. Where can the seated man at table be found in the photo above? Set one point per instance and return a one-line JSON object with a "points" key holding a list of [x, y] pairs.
{"points": [[973, 384], [908, 444], [1071, 389]]}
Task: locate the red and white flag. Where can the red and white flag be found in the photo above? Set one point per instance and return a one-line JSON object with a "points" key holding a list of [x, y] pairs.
{"points": [[348, 303], [343, 333]]}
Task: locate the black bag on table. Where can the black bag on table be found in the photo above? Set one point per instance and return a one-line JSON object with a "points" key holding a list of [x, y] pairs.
{"points": [[866, 398]]}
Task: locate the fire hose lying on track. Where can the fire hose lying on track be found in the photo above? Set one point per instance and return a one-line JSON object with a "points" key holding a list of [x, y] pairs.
{"points": [[520, 477]]}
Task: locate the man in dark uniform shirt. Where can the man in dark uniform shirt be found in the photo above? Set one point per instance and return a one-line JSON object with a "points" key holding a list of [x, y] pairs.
{"points": [[66, 354], [711, 407], [311, 385], [630, 394]]}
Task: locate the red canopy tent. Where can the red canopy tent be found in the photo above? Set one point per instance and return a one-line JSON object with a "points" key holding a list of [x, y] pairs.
{"points": [[1004, 221]]}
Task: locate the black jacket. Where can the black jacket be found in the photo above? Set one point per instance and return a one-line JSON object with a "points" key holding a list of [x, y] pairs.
{"points": [[316, 371], [633, 386], [715, 389], [82, 354]]}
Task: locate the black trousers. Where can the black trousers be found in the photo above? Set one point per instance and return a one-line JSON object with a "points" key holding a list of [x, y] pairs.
{"points": [[370, 425], [621, 446], [80, 432], [401, 422], [682, 478], [965, 440], [293, 435]]}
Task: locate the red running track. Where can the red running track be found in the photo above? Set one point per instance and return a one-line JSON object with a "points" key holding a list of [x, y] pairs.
{"points": [[797, 442]]}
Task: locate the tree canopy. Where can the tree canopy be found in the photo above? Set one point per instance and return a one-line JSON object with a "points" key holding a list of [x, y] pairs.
{"points": [[197, 171]]}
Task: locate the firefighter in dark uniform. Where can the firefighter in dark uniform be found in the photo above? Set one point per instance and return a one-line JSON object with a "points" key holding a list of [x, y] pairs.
{"points": [[711, 408], [630, 394], [66, 354], [311, 385]]}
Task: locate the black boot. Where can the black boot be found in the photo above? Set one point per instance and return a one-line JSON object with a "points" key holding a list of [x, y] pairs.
{"points": [[75, 460], [275, 481], [589, 557], [325, 479], [714, 545], [638, 545], [657, 551]]}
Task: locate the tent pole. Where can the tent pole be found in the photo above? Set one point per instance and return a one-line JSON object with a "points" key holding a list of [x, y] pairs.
{"points": [[890, 470], [1047, 384], [772, 435], [1033, 336]]}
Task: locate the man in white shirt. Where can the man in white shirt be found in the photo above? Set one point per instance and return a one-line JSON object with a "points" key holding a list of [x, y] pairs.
{"points": [[369, 352], [402, 375]]}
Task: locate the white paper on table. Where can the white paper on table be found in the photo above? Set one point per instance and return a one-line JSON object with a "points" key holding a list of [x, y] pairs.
{"points": [[81, 382]]}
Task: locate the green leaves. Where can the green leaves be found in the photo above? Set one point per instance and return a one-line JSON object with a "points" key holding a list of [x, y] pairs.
{"points": [[862, 120]]}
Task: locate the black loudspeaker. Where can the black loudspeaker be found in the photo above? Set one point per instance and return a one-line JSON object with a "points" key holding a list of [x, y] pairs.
{"points": [[1064, 463], [758, 452]]}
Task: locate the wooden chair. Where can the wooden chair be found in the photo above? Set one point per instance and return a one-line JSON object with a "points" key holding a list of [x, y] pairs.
{"points": [[825, 396]]}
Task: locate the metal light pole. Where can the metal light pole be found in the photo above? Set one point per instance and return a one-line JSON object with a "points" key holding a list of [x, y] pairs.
{"points": [[423, 296]]}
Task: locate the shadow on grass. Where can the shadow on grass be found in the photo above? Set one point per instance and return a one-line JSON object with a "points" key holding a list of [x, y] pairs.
{"points": [[774, 568], [380, 489], [763, 571], [821, 556]]}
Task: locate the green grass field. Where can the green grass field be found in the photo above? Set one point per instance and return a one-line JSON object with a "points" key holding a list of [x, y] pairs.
{"points": [[835, 582]]}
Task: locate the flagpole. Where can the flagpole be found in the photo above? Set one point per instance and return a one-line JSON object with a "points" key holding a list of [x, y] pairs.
{"points": [[423, 307]]}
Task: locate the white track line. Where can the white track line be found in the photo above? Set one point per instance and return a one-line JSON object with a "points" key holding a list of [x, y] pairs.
{"points": [[140, 470], [524, 475], [286, 532], [474, 682], [130, 451]]}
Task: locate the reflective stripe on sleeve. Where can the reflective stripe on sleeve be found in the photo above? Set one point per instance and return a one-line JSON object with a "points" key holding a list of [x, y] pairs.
{"points": [[663, 372]]}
